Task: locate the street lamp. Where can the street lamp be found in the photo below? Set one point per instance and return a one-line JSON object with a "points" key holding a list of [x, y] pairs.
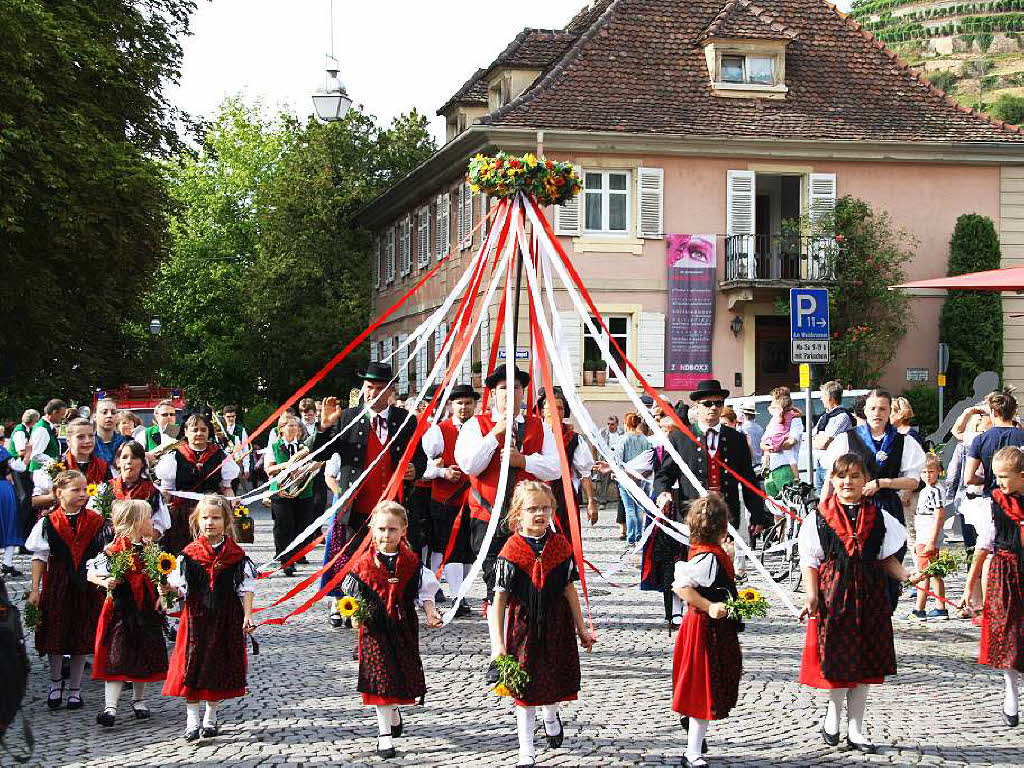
{"points": [[333, 102], [155, 326]]}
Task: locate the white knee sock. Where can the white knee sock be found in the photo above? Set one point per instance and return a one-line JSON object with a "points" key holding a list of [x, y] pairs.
{"points": [[526, 721], [9, 556], [210, 718], [836, 697], [856, 703], [1011, 698], [111, 693], [384, 721], [550, 714], [695, 738], [191, 714], [677, 605], [138, 692], [454, 574]]}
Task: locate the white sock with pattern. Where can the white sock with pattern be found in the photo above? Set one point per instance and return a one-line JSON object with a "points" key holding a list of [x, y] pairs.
{"points": [[550, 714], [856, 703], [191, 715], [836, 697], [111, 693], [526, 721], [384, 720], [210, 717], [695, 738], [1011, 698]]}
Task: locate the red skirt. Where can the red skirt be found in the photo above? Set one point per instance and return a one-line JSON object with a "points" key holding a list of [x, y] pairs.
{"points": [[706, 667], [70, 614], [1002, 622], [221, 670], [129, 649], [810, 664]]}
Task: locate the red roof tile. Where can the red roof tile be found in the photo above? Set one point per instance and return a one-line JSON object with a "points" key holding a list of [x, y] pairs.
{"points": [[742, 18]]}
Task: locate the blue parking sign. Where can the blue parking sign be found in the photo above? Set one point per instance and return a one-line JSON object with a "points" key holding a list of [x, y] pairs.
{"points": [[809, 325]]}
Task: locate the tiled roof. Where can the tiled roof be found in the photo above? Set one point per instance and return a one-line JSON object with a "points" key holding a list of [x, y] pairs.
{"points": [[473, 92], [587, 15], [639, 68], [742, 18]]}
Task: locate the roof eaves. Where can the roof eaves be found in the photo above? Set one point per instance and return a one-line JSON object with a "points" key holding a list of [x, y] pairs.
{"points": [[462, 95]]}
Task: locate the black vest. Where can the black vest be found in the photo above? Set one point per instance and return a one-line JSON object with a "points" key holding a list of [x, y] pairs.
{"points": [[201, 478]]}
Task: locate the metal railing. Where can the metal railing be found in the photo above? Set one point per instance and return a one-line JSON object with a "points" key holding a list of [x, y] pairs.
{"points": [[779, 257]]}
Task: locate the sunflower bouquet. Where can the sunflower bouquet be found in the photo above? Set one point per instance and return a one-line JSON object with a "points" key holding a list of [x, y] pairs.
{"points": [[244, 524], [504, 175], [946, 562], [351, 608], [511, 679], [159, 565], [54, 468], [750, 604], [31, 615], [120, 563], [101, 498]]}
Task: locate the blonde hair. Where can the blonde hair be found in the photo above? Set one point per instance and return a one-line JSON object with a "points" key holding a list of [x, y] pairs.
{"points": [[218, 502], [287, 418], [127, 515], [782, 396], [1010, 457], [632, 421], [902, 410], [123, 416], [974, 424], [931, 461], [708, 518], [526, 489], [728, 414], [388, 507], [66, 478]]}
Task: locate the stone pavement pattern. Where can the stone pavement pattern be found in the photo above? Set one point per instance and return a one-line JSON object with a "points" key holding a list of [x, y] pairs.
{"points": [[942, 709]]}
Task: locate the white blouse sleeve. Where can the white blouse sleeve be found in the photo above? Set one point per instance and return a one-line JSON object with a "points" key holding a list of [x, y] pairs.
{"points": [[895, 536], [984, 525], [428, 585], [166, 471], [42, 483], [473, 449], [229, 472], [37, 543], [433, 442], [98, 566], [809, 544], [698, 572], [248, 579], [161, 516], [582, 462], [176, 579]]}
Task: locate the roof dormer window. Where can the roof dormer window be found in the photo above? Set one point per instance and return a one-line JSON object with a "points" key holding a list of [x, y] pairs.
{"points": [[759, 70], [745, 48]]}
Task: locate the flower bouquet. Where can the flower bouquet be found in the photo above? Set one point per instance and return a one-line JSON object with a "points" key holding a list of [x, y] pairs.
{"points": [[31, 615], [101, 499], [508, 676], [946, 562], [244, 524], [159, 565], [351, 608], [750, 604], [54, 468], [504, 175], [120, 563]]}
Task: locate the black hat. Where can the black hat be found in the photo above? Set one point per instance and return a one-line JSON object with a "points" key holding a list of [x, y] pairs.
{"points": [[709, 388], [463, 390], [558, 393], [377, 372], [500, 374]]}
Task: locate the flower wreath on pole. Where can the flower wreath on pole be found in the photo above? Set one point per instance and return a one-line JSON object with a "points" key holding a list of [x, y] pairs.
{"points": [[504, 175]]}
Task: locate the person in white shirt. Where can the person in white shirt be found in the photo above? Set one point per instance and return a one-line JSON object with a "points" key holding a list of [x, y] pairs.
{"points": [[781, 442], [834, 421]]}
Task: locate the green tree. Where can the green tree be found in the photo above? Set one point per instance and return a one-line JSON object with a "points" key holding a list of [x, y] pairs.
{"points": [[972, 321], [1009, 108], [83, 122]]}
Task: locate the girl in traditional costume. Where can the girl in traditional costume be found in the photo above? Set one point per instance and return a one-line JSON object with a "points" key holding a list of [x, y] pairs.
{"points": [[847, 550], [62, 542], [217, 581], [707, 662], [130, 637], [535, 584], [79, 456], [1002, 540], [386, 580], [132, 483]]}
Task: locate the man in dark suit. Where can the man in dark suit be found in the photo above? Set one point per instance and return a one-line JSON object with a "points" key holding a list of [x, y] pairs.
{"points": [[363, 442], [723, 443]]}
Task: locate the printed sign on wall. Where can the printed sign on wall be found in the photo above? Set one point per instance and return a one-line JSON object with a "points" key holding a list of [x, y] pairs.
{"points": [[692, 275]]}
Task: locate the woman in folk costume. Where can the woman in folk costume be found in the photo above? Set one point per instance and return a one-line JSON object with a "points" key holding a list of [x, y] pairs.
{"points": [[79, 457], [62, 542], [707, 661], [10, 527], [535, 584], [847, 553], [387, 580], [132, 483], [217, 582], [291, 511], [199, 466], [130, 637], [1001, 542], [581, 462]]}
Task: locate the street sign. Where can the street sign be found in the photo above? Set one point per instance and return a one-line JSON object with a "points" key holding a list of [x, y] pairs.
{"points": [[809, 325], [917, 374], [521, 354]]}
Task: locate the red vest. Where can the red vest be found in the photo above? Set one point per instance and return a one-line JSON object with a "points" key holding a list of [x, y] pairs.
{"points": [[372, 488], [442, 490], [714, 468], [485, 485]]}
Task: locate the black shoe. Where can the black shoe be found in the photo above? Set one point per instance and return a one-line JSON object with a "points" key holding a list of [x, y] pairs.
{"points": [[107, 717], [463, 610], [335, 620], [396, 730], [191, 734], [556, 741], [387, 753], [141, 710], [866, 746], [289, 571], [832, 739], [209, 731], [75, 699], [700, 762], [54, 702], [1011, 720], [685, 722], [10, 570]]}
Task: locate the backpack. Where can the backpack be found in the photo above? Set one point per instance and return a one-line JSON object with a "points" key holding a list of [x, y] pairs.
{"points": [[14, 669]]}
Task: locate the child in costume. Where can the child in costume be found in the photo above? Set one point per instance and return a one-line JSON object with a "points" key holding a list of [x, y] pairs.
{"points": [[62, 542], [130, 637], [217, 581], [928, 522], [535, 584], [132, 481], [784, 424], [387, 579], [847, 550], [1002, 541], [707, 661]]}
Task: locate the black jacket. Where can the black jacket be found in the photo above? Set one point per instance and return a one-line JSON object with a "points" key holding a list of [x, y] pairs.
{"points": [[734, 452], [352, 445]]}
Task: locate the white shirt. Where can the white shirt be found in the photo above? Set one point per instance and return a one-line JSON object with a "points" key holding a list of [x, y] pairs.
{"points": [[20, 440], [473, 452], [167, 470], [582, 462], [910, 466], [246, 460], [379, 422], [701, 571], [433, 446], [40, 438], [809, 543]]}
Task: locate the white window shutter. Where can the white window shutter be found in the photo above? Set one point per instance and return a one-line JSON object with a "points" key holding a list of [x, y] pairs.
{"points": [[569, 217], [485, 208], [444, 225], [650, 191], [438, 221], [375, 261], [423, 237], [408, 244], [387, 351], [439, 336], [460, 219], [572, 330], [389, 238], [742, 196], [651, 348], [465, 216], [485, 340], [373, 352], [403, 364], [822, 197], [421, 368]]}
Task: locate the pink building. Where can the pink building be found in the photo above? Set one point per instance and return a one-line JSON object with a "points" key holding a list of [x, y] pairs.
{"points": [[708, 118]]}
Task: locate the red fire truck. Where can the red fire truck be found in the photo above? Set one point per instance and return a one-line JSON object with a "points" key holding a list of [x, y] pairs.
{"points": [[141, 399]]}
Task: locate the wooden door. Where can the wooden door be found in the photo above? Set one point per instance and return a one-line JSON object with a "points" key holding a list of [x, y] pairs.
{"points": [[772, 355]]}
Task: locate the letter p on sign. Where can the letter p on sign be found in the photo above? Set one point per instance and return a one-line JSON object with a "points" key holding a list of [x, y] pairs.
{"points": [[806, 306]]}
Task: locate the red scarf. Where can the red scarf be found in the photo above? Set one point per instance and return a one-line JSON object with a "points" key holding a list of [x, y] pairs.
{"points": [[723, 557], [202, 552], [79, 539], [555, 552], [96, 472], [141, 491], [837, 519], [198, 460], [136, 577], [1011, 506], [375, 575]]}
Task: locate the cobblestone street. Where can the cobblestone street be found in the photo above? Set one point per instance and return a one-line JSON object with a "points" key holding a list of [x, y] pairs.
{"points": [[942, 709]]}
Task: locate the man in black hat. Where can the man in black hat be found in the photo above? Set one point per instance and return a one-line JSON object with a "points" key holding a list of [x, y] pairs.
{"points": [[449, 490], [373, 425], [723, 443], [533, 455]]}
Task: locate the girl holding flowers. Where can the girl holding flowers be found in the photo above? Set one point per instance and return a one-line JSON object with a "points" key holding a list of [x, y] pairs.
{"points": [[535, 585], [217, 582], [384, 584], [130, 639], [847, 551], [707, 661], [62, 542]]}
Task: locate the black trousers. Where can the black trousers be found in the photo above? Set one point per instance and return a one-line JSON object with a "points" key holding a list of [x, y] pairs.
{"points": [[477, 531], [291, 516]]}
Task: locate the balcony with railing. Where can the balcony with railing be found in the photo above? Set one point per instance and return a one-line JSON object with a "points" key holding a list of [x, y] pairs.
{"points": [[763, 259]]}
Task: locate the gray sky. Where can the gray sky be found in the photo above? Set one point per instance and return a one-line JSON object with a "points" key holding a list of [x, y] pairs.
{"points": [[394, 54]]}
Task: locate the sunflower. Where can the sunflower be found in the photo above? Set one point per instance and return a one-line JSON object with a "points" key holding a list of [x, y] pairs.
{"points": [[92, 489], [502, 690], [166, 563], [750, 595], [347, 607]]}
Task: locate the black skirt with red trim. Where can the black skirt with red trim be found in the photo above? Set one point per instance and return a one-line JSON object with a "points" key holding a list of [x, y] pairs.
{"points": [[1002, 621], [129, 642], [70, 612], [551, 657]]}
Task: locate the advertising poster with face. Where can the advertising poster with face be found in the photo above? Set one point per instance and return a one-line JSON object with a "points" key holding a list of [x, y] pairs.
{"points": [[692, 274]]}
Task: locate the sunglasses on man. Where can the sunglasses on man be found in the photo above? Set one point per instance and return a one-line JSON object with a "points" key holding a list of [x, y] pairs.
{"points": [[712, 403]]}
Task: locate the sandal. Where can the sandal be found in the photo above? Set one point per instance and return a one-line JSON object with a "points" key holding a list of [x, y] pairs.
{"points": [[75, 699], [55, 702], [107, 717]]}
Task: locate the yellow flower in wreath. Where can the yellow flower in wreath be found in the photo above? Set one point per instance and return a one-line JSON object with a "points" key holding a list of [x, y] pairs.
{"points": [[750, 595]]}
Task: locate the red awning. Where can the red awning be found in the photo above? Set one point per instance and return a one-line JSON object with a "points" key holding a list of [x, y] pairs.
{"points": [[1011, 279]]}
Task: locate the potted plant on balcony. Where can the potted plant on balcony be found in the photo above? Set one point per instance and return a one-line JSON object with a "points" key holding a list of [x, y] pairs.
{"points": [[478, 379], [600, 373], [589, 365]]}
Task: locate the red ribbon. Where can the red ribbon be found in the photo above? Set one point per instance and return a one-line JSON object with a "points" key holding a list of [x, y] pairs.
{"points": [[301, 554]]}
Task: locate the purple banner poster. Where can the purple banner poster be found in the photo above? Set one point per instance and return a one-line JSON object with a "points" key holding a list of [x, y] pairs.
{"points": [[692, 273]]}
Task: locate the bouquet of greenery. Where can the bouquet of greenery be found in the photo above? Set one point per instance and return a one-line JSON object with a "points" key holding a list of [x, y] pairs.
{"points": [[101, 499], [120, 563], [159, 566], [512, 679], [750, 604], [31, 615], [54, 468], [946, 562]]}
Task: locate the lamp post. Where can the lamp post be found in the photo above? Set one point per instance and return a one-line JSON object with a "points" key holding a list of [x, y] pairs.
{"points": [[333, 102], [155, 326]]}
